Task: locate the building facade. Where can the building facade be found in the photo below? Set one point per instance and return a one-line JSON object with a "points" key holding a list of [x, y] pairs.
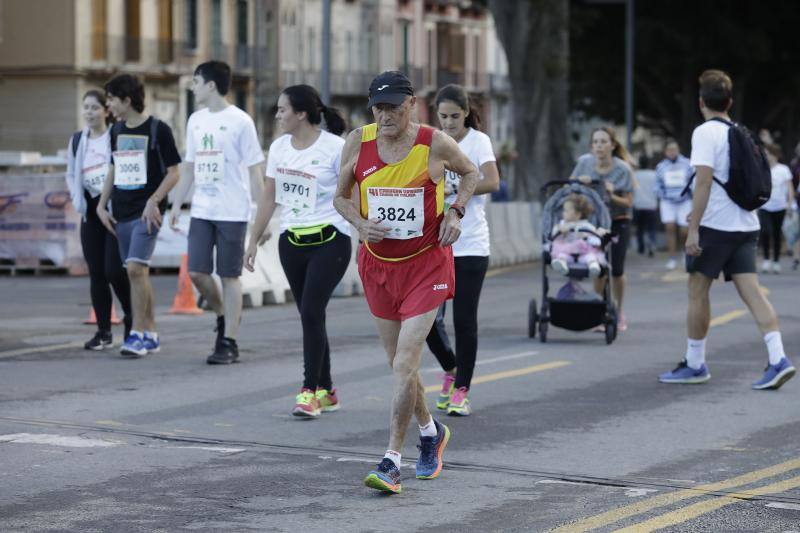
{"points": [[74, 45]]}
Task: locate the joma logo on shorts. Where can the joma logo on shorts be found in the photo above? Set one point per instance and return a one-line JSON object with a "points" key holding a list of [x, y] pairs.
{"points": [[440, 287], [370, 170]]}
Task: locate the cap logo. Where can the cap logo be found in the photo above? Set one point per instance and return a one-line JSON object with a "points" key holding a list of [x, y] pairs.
{"points": [[382, 87]]}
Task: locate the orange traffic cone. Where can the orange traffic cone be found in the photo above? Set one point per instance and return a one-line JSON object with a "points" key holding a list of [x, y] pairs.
{"points": [[115, 320], [184, 302]]}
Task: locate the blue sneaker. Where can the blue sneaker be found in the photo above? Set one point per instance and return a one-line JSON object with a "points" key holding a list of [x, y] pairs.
{"points": [[151, 344], [133, 346], [775, 376], [683, 373], [429, 464], [385, 477]]}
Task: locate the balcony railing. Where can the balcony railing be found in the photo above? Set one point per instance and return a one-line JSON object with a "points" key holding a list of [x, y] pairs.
{"points": [[112, 50]]}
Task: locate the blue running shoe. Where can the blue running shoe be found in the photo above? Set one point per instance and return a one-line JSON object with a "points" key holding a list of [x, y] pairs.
{"points": [[429, 464], [683, 373], [133, 346], [386, 477], [775, 376], [151, 344]]}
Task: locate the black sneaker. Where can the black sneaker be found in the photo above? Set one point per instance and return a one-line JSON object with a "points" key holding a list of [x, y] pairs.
{"points": [[100, 341], [225, 352]]}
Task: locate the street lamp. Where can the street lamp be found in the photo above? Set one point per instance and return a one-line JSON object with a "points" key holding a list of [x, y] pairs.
{"points": [[629, 44]]}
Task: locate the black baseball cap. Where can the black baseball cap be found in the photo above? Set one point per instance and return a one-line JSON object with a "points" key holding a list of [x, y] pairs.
{"points": [[390, 87]]}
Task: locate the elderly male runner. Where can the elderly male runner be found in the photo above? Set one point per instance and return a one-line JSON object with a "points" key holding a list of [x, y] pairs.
{"points": [[405, 262]]}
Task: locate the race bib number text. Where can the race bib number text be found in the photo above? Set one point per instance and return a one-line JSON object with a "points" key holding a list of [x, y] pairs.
{"points": [[130, 169], [209, 167], [675, 178], [94, 177], [402, 210], [296, 190]]}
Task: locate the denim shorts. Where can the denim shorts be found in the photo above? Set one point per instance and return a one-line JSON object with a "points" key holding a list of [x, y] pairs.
{"points": [[226, 236], [135, 244]]}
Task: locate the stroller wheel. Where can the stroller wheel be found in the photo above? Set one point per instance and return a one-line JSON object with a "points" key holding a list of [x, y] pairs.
{"points": [[543, 331], [533, 319], [611, 330]]}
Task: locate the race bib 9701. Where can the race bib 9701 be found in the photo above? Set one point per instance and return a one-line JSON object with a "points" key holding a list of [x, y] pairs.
{"points": [[402, 210], [209, 167], [296, 190]]}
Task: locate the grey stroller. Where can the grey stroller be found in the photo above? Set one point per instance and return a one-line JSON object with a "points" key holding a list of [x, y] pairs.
{"points": [[574, 314]]}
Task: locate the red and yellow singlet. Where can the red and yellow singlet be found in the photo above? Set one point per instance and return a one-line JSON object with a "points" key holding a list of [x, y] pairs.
{"points": [[402, 195]]}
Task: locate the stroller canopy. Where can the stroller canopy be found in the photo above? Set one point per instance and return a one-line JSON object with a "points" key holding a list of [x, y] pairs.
{"points": [[552, 210]]}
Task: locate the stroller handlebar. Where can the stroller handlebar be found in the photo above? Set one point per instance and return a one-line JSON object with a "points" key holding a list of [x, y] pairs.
{"points": [[543, 189]]}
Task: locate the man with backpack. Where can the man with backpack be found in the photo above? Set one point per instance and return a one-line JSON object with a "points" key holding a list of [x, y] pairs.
{"points": [[733, 179], [143, 169]]}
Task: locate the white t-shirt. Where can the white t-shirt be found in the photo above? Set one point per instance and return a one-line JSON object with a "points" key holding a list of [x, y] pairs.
{"points": [[96, 164], [474, 239], [781, 181], [311, 174], [222, 146], [710, 148]]}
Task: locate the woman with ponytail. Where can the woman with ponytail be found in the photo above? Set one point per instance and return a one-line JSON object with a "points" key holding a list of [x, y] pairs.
{"points": [[314, 244], [460, 120], [611, 166]]}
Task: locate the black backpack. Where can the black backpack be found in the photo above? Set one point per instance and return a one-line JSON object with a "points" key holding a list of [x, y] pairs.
{"points": [[750, 179], [116, 129]]}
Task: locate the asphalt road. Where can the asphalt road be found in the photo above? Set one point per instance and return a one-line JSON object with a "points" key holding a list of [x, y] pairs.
{"points": [[571, 434]]}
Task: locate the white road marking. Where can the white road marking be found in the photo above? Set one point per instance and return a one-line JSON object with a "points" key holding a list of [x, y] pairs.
{"points": [[782, 505], [490, 360], [630, 492], [57, 440], [40, 349], [219, 449]]}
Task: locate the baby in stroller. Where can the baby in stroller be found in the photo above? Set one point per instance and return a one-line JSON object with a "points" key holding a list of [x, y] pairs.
{"points": [[576, 240]]}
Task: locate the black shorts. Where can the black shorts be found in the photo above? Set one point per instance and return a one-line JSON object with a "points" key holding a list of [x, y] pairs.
{"points": [[619, 247], [731, 252], [227, 237]]}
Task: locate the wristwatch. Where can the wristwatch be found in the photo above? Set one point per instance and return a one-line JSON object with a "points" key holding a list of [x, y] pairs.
{"points": [[459, 209]]}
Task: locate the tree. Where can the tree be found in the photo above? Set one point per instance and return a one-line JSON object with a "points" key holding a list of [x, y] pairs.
{"points": [[675, 41], [535, 36]]}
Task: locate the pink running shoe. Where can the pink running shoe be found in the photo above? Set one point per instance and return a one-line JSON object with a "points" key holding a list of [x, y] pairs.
{"points": [[448, 384]]}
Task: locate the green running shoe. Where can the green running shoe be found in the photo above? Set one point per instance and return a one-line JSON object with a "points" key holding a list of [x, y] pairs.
{"points": [[448, 386]]}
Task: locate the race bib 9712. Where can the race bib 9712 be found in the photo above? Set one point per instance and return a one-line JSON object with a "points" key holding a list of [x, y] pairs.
{"points": [[209, 167]]}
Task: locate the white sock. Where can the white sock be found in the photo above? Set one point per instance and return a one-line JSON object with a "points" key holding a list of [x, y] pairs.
{"points": [[695, 353], [393, 456], [774, 344], [428, 430], [152, 334]]}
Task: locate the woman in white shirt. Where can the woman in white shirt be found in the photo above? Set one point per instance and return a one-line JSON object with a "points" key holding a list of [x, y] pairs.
{"points": [[88, 157], [461, 121], [314, 245], [772, 213]]}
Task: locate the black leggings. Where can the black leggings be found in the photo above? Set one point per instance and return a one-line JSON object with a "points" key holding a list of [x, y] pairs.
{"points": [[101, 251], [646, 221], [313, 273], [470, 272], [771, 230]]}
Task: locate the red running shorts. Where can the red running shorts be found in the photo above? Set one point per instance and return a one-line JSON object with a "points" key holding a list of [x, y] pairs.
{"points": [[412, 287]]}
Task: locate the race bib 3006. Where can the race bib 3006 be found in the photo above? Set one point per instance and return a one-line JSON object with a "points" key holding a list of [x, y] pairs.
{"points": [[130, 169]]}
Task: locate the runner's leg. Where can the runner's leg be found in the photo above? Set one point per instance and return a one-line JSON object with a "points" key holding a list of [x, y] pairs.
{"points": [[470, 273]]}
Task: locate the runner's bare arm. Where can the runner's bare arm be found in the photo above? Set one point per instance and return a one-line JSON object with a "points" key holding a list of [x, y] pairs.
{"points": [[368, 230], [445, 149], [152, 214], [491, 179], [702, 191], [266, 208], [178, 197], [102, 213]]}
